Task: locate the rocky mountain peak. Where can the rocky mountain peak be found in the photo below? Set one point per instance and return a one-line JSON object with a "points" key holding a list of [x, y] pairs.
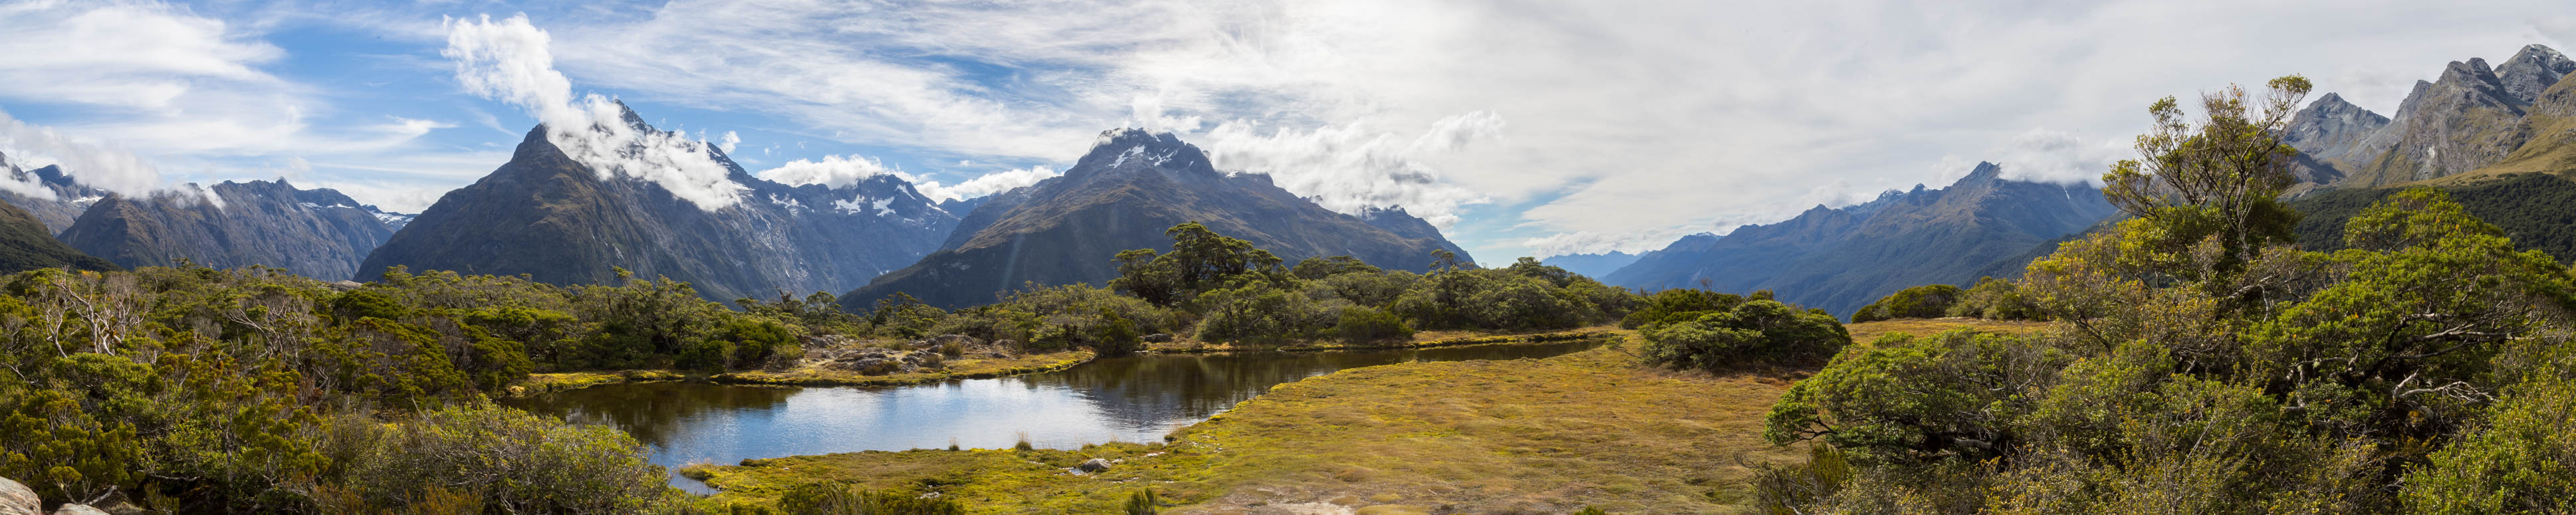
{"points": [[2532, 71], [1124, 147]]}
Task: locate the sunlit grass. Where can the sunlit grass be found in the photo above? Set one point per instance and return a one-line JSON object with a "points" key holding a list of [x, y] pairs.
{"points": [[1532, 435]]}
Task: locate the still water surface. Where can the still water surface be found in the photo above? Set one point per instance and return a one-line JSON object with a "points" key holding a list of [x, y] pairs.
{"points": [[1130, 399]]}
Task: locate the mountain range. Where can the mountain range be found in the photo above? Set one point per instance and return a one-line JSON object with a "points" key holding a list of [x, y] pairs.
{"points": [[26, 245], [314, 233], [2468, 119], [63, 199], [1591, 265], [1122, 195], [548, 215], [1840, 259]]}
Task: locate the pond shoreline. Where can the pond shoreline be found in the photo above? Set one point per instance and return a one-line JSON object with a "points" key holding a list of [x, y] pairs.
{"points": [[546, 383]]}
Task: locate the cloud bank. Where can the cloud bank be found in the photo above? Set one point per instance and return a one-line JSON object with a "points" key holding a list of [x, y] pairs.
{"points": [[1350, 167], [31, 146], [509, 61]]}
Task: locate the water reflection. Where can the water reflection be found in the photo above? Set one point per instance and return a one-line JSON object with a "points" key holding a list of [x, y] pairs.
{"points": [[1137, 398]]}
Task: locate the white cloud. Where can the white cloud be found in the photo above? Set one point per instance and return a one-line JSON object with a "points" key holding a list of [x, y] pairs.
{"points": [[510, 61], [986, 184], [2044, 155], [1350, 167], [131, 55], [90, 162], [831, 172]]}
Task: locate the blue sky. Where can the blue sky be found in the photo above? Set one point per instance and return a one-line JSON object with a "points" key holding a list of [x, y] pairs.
{"points": [[1521, 127]]}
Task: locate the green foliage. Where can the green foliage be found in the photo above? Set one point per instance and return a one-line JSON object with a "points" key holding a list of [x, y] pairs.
{"points": [[1757, 332], [2199, 365], [1678, 305], [2533, 208], [1143, 502], [1201, 260], [1995, 299], [1360, 324], [1926, 301], [2518, 460], [1316, 268], [511, 461], [1260, 313]]}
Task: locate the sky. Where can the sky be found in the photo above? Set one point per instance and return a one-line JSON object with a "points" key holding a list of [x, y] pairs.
{"points": [[1519, 127]]}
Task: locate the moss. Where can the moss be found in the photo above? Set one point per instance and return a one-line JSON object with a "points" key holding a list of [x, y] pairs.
{"points": [[1535, 435], [536, 384]]}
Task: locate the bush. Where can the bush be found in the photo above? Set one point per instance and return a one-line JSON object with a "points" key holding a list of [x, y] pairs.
{"points": [[1761, 331], [1995, 299], [1927, 301], [1362, 324], [513, 461]]}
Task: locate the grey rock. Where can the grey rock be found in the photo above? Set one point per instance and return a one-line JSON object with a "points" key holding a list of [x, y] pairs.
{"points": [[2460, 122], [346, 285], [1158, 338], [77, 509], [16, 499], [2532, 71], [2327, 133], [1093, 465]]}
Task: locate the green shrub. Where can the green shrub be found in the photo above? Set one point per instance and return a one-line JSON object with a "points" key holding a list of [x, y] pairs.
{"points": [[1757, 332], [1927, 301], [1143, 502], [1358, 324]]}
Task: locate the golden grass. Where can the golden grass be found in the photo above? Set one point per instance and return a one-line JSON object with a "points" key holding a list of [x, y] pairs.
{"points": [[1535, 436], [815, 374]]}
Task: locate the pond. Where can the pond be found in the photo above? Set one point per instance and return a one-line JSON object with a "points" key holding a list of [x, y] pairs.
{"points": [[1129, 399]]}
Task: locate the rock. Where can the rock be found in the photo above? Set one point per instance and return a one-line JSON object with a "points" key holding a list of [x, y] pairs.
{"points": [[346, 285], [16, 499], [1158, 338], [945, 339], [77, 509], [19, 498], [1094, 465]]}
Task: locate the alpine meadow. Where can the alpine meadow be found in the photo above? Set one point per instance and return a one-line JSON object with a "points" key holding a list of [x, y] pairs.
{"points": [[1390, 257]]}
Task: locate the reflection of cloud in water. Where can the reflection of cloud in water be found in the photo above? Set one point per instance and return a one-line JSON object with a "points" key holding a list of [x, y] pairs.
{"points": [[1136, 398]]}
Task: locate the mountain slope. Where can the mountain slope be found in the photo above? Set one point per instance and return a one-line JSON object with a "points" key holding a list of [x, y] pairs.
{"points": [[1592, 265], [267, 223], [25, 244], [2329, 134], [1122, 195], [1841, 259], [549, 216]]}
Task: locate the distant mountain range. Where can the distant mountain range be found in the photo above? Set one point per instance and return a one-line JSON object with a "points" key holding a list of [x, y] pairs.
{"points": [[314, 233], [2470, 120], [1591, 265], [1122, 194], [1841, 259], [548, 215]]}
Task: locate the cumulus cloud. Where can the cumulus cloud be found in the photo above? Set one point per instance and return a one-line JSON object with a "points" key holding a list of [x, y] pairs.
{"points": [[986, 184], [1351, 167], [509, 60], [125, 54]]}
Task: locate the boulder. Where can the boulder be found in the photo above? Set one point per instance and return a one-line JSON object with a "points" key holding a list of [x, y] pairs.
{"points": [[945, 339], [1158, 338], [16, 499], [346, 285], [77, 509], [1093, 465]]}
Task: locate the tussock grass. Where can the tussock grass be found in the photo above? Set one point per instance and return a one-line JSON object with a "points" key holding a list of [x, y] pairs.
{"points": [[1534, 436]]}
